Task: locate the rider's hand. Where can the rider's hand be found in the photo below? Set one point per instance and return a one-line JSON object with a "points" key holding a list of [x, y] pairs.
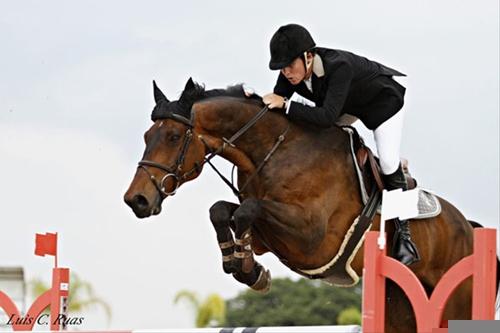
{"points": [[274, 101]]}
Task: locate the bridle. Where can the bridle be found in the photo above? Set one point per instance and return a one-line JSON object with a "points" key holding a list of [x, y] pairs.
{"points": [[175, 171]]}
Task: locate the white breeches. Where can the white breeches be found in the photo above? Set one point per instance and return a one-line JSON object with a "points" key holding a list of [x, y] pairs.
{"points": [[388, 140]]}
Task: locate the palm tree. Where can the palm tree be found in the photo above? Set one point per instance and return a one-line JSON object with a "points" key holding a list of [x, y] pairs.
{"points": [[210, 312], [81, 295]]}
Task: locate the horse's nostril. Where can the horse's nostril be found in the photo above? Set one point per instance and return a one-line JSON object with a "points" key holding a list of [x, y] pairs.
{"points": [[140, 201]]}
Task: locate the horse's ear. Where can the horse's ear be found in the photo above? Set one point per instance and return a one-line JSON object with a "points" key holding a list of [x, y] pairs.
{"points": [[159, 96], [189, 85], [188, 91]]}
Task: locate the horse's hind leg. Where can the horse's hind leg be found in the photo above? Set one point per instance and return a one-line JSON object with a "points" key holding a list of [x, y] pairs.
{"points": [[221, 214]]}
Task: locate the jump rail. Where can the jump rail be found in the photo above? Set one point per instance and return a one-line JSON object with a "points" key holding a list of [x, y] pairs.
{"points": [[378, 266], [428, 312], [264, 329]]}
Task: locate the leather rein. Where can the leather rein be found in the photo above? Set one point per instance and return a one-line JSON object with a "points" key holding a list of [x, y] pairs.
{"points": [[175, 171]]}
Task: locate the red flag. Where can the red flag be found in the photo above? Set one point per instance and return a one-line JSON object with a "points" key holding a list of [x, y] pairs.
{"points": [[46, 244]]}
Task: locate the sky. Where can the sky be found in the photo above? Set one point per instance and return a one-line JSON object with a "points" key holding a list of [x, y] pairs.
{"points": [[76, 97]]}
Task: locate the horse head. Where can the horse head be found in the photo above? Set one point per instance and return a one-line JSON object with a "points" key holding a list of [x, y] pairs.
{"points": [[173, 154]]}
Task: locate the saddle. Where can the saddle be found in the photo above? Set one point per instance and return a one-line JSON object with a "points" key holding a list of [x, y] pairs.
{"points": [[370, 166]]}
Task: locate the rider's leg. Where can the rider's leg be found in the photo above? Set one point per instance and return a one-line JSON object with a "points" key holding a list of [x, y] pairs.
{"points": [[388, 139]]}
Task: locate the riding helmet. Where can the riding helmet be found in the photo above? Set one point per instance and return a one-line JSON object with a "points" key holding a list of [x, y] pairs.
{"points": [[288, 43]]}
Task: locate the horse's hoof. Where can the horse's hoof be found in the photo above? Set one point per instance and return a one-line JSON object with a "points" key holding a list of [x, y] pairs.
{"points": [[263, 283], [228, 267]]}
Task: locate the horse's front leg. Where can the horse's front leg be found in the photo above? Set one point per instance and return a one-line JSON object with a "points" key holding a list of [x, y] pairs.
{"points": [[221, 214], [294, 234], [248, 271], [283, 226]]}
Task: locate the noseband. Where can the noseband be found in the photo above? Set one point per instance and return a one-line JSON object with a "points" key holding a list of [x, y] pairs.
{"points": [[174, 171]]}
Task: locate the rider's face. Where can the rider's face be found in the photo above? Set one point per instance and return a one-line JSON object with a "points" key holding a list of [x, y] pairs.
{"points": [[295, 72]]}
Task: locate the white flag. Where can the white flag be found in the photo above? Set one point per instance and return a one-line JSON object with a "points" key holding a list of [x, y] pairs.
{"points": [[399, 203]]}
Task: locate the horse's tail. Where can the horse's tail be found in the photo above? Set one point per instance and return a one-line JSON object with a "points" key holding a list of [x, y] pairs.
{"points": [[497, 304]]}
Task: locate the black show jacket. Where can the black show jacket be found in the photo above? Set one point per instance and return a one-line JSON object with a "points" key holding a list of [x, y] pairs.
{"points": [[343, 82]]}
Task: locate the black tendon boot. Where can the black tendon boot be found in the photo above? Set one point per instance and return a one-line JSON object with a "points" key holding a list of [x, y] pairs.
{"points": [[403, 248]]}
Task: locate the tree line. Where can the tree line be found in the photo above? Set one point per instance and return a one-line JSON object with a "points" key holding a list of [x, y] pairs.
{"points": [[289, 303]]}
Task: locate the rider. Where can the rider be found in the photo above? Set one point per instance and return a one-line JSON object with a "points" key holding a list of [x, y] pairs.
{"points": [[339, 82]]}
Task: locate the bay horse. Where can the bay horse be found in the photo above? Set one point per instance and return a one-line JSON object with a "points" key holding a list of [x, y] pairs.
{"points": [[298, 204]]}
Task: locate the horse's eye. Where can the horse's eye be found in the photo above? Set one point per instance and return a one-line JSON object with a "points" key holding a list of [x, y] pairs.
{"points": [[175, 138]]}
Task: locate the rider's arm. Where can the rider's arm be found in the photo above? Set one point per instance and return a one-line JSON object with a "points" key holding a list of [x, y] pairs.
{"points": [[325, 116]]}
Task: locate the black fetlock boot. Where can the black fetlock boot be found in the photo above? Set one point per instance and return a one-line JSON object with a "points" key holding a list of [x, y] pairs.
{"points": [[403, 248]]}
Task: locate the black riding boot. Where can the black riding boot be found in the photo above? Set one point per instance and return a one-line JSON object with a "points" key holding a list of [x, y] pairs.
{"points": [[403, 248]]}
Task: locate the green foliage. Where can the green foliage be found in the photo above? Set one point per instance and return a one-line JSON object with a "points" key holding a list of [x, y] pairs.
{"points": [[349, 316], [210, 312], [291, 303]]}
